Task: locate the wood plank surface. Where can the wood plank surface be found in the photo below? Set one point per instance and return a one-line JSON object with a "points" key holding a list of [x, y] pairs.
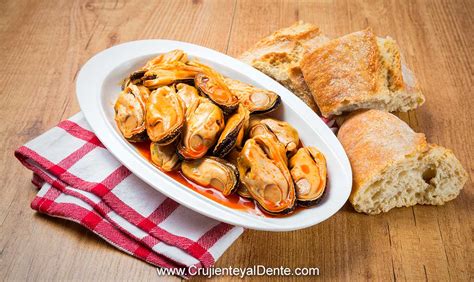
{"points": [[44, 44]]}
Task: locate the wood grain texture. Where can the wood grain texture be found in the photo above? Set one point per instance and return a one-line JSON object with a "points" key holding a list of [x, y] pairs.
{"points": [[44, 43]]}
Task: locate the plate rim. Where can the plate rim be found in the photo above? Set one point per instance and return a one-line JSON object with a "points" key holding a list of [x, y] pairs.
{"points": [[88, 77]]}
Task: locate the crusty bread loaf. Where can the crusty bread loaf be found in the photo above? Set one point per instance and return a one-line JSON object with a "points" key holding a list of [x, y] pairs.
{"points": [[279, 56], [359, 71], [393, 166]]}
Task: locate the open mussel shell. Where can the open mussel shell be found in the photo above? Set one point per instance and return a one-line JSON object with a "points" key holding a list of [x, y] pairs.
{"points": [[165, 115], [233, 132], [263, 171], [164, 156], [212, 86], [130, 115], [308, 170], [212, 172], [203, 126], [256, 100]]}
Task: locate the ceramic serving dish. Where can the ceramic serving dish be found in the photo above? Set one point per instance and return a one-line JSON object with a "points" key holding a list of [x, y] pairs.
{"points": [[98, 85]]}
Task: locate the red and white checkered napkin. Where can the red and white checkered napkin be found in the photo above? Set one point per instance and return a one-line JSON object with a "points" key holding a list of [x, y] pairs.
{"points": [[81, 181]]}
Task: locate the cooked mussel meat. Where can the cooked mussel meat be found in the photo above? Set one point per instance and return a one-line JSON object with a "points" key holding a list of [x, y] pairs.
{"points": [[167, 58], [233, 133], [188, 94], [169, 73], [261, 129], [203, 126], [164, 156], [164, 115], [308, 170], [130, 115], [232, 157], [285, 133], [211, 84], [262, 168], [212, 172], [256, 100], [140, 90]]}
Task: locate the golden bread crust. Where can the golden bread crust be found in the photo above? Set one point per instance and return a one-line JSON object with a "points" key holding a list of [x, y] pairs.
{"points": [[373, 140], [359, 71], [343, 71], [279, 54], [285, 40]]}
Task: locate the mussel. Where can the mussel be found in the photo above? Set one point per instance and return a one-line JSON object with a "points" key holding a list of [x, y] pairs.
{"points": [[188, 94], [140, 90], [166, 58], [211, 84], [164, 156], [232, 157], [169, 73], [212, 172], [243, 191], [165, 115], [203, 126], [284, 132], [308, 170], [263, 171], [256, 100], [130, 115], [233, 133], [261, 129], [133, 78]]}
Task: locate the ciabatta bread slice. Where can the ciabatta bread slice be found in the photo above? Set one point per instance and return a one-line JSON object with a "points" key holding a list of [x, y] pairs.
{"points": [[393, 166], [279, 54], [359, 71]]}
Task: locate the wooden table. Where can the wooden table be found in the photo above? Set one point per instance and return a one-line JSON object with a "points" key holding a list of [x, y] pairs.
{"points": [[44, 43]]}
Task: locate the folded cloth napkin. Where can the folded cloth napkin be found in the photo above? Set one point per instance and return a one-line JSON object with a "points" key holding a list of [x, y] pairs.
{"points": [[79, 180]]}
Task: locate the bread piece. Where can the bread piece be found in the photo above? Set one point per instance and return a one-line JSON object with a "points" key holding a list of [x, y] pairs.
{"points": [[279, 56], [393, 166], [359, 71]]}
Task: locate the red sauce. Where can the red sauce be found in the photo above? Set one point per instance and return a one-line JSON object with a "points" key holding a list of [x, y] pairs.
{"points": [[305, 169], [233, 201]]}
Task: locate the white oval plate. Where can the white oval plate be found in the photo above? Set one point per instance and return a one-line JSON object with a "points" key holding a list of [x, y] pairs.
{"points": [[98, 85]]}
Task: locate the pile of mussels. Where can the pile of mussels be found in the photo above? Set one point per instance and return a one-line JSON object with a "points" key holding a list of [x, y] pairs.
{"points": [[212, 128]]}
